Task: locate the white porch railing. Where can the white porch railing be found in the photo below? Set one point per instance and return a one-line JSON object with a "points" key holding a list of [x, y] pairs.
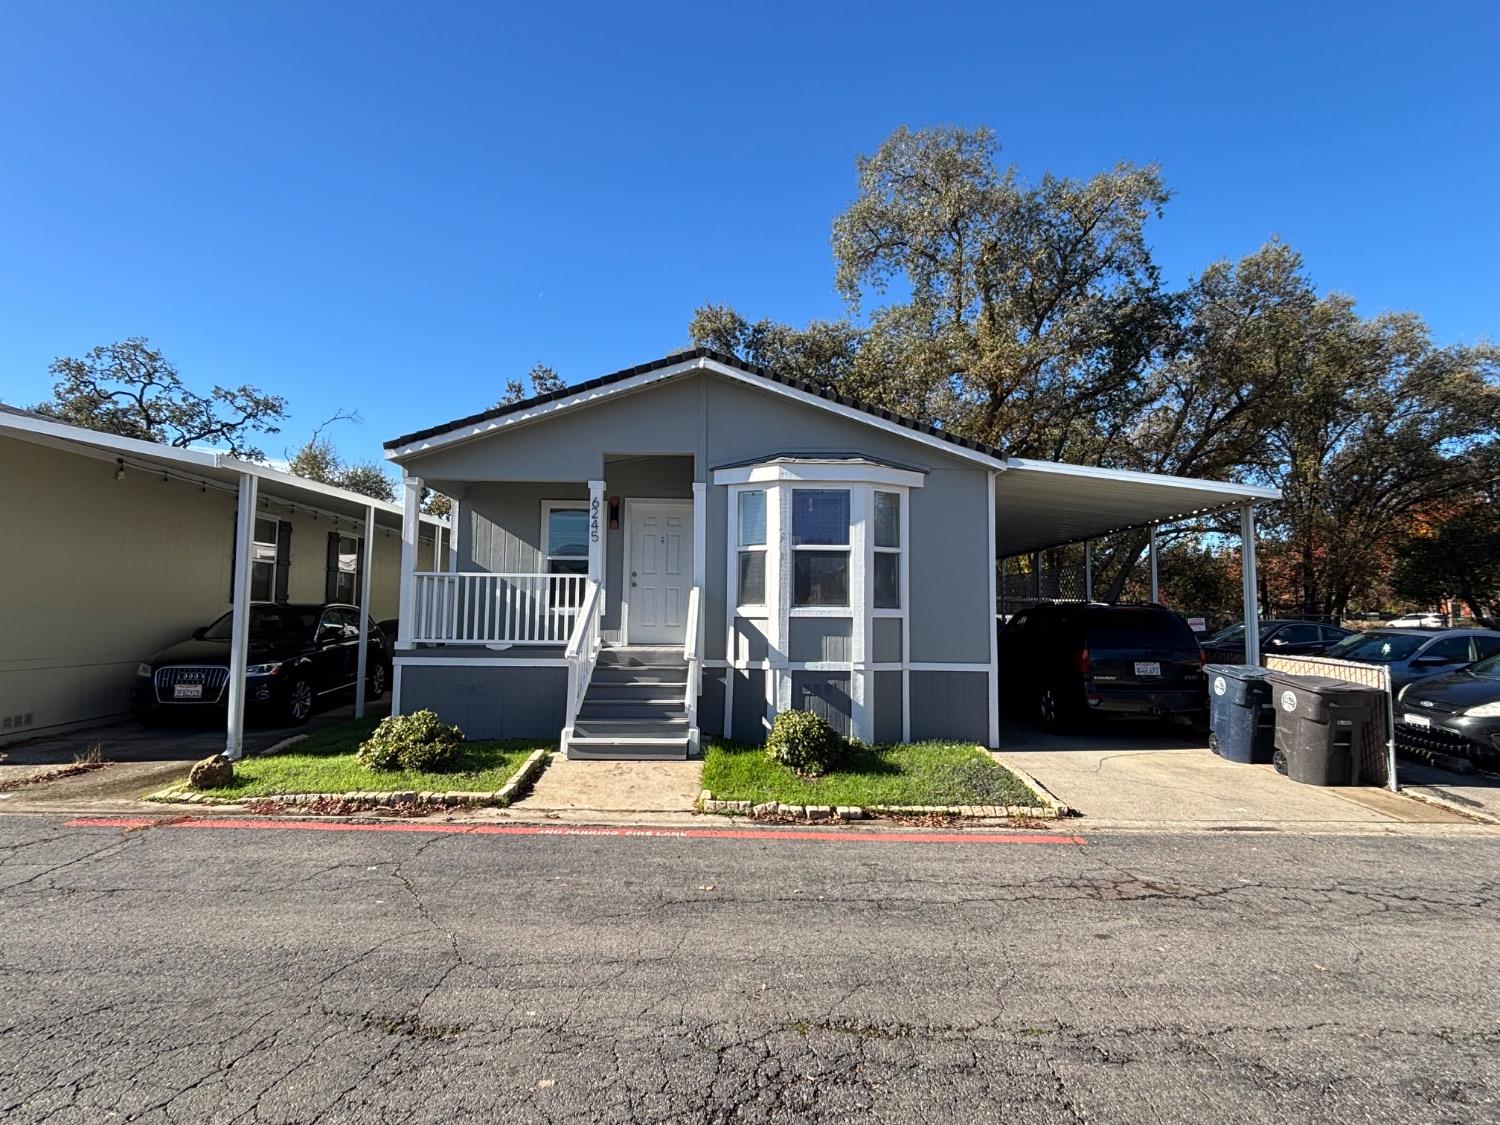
{"points": [[582, 654], [484, 609], [692, 645]]}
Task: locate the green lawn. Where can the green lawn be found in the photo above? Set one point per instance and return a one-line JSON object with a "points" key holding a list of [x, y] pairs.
{"points": [[918, 773], [324, 762]]}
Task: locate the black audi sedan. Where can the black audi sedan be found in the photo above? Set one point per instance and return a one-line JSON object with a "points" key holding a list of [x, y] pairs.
{"points": [[1456, 714], [298, 654]]}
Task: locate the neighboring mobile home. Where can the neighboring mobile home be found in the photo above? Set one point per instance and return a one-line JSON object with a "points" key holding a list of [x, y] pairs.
{"points": [[694, 544], [114, 548]]}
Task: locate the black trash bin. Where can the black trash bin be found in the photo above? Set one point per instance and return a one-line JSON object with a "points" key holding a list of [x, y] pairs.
{"points": [[1323, 726], [1242, 726]]}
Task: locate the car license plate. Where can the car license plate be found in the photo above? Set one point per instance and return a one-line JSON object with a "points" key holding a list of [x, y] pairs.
{"points": [[1147, 668], [188, 691], [1416, 720]]}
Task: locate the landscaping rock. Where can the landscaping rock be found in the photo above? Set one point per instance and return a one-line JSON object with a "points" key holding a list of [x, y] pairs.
{"points": [[765, 810], [850, 812], [211, 773], [819, 812]]}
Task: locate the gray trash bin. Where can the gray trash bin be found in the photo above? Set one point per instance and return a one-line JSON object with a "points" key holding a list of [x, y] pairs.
{"points": [[1323, 726]]}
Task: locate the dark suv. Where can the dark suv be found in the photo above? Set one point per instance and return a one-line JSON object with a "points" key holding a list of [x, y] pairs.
{"points": [[297, 654], [1062, 661]]}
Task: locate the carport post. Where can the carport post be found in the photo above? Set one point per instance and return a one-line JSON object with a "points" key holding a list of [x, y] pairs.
{"points": [[1151, 550], [1247, 567], [366, 565], [1088, 570], [239, 628], [411, 522]]}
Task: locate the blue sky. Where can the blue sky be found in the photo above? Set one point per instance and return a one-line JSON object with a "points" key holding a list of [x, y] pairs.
{"points": [[396, 207]]}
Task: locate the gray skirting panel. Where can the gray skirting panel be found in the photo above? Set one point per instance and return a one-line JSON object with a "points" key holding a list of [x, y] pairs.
{"points": [[950, 705], [490, 701]]}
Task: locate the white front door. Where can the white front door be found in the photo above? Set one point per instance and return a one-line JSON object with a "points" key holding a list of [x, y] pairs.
{"points": [[661, 571]]}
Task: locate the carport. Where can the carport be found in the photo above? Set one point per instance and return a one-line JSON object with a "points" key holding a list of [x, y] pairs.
{"points": [[255, 490], [1042, 505]]}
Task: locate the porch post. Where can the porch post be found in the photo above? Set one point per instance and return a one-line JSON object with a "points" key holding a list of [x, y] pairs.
{"points": [[1155, 584], [1088, 570], [700, 548], [452, 536], [993, 625], [367, 564], [597, 525], [239, 630], [1247, 567], [411, 525]]}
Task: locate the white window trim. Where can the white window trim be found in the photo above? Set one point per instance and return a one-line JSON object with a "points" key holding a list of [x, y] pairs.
{"points": [[832, 473], [548, 507], [846, 548], [270, 564], [750, 609]]}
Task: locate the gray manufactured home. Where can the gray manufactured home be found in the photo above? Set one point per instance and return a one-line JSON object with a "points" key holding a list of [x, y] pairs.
{"points": [[694, 544]]}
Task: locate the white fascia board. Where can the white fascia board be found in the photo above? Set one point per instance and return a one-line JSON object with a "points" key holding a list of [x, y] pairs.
{"points": [[541, 410], [635, 382], [829, 472], [97, 439], [1132, 476]]}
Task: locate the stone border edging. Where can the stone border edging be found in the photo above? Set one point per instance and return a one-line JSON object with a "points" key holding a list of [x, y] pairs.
{"points": [[508, 793]]}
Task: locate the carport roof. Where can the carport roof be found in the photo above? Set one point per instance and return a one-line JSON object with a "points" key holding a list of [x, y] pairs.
{"points": [[205, 467], [1040, 504]]}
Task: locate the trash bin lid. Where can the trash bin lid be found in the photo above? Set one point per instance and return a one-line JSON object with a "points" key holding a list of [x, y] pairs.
{"points": [[1319, 685], [1237, 671]]}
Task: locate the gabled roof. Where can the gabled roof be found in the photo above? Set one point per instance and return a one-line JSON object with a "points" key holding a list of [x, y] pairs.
{"points": [[707, 358]]}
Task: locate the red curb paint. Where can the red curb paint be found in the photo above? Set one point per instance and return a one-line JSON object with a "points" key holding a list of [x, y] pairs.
{"points": [[585, 830]]}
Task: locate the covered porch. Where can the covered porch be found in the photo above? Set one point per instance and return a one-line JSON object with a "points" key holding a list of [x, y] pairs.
{"points": [[543, 576]]}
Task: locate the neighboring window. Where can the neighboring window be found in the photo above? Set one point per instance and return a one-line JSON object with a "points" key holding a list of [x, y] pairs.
{"points": [[820, 519], [263, 561], [887, 565], [751, 584], [342, 583], [567, 540]]}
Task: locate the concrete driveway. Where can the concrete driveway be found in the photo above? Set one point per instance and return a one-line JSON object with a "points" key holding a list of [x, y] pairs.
{"points": [[140, 760], [1132, 775]]}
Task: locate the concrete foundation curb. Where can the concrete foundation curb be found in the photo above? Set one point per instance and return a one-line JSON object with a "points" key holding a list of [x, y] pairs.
{"points": [[514, 788]]}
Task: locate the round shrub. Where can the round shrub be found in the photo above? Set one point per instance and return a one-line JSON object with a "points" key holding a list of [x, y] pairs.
{"points": [[805, 743], [419, 742]]}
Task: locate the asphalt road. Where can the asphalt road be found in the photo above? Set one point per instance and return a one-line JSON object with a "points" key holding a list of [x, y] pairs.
{"points": [[205, 975]]}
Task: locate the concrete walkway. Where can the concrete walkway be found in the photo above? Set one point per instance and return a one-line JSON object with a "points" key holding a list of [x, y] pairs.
{"points": [[1124, 775], [584, 786]]}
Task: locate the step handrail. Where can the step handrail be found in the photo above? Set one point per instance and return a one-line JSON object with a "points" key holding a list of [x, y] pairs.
{"points": [[582, 654], [691, 650]]}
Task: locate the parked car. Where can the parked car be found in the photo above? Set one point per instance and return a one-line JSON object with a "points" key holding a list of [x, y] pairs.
{"points": [[298, 654], [1060, 662], [1418, 621], [1458, 713], [1414, 654], [1277, 638]]}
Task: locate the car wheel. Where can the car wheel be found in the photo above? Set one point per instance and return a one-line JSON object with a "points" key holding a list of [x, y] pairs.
{"points": [[377, 681], [299, 701]]}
